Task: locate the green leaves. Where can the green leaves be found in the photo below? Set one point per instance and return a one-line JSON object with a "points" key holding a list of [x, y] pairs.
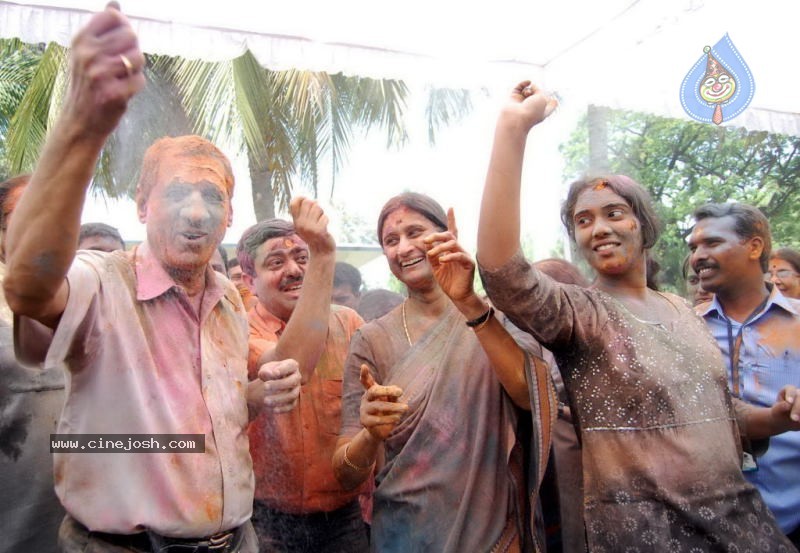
{"points": [[36, 75], [686, 164], [284, 121]]}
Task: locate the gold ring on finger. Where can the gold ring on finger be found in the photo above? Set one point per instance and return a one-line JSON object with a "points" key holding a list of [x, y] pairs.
{"points": [[127, 63]]}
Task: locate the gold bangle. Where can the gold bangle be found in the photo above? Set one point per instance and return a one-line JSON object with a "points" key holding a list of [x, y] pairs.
{"points": [[352, 465]]}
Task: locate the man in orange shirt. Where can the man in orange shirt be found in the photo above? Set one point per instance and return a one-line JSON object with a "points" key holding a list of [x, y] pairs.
{"points": [[299, 505]]}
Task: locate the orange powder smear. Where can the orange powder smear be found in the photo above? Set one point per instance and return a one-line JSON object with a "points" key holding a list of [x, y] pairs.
{"points": [[212, 508], [780, 338]]}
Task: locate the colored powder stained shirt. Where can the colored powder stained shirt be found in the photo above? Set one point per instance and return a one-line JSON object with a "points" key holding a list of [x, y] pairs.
{"points": [[453, 480], [140, 361], [769, 359], [661, 449], [31, 398], [292, 451]]}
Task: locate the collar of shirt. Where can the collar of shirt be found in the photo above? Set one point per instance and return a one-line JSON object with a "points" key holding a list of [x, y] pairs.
{"points": [[775, 299], [152, 280], [270, 322]]}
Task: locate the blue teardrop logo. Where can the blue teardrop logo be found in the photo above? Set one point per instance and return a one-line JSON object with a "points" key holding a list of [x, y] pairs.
{"points": [[719, 86]]}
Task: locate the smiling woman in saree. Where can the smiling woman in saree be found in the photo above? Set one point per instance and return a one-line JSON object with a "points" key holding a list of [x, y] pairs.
{"points": [[441, 400]]}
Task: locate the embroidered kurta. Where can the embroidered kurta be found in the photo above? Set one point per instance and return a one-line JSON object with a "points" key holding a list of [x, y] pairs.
{"points": [[661, 448]]}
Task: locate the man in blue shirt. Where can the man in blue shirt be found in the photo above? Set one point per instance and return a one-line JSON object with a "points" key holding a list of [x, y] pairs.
{"points": [[758, 331]]}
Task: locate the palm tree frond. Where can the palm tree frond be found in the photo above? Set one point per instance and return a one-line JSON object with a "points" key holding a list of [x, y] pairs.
{"points": [[17, 69], [445, 106], [286, 121], [28, 126]]}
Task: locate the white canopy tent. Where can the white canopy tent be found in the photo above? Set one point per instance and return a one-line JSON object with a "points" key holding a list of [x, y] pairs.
{"points": [[629, 54]]}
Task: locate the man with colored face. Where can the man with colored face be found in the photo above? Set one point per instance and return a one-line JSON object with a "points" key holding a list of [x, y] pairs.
{"points": [[299, 504], [758, 331], [154, 341]]}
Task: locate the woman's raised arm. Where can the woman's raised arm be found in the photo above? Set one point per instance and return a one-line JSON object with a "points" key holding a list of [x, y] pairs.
{"points": [[498, 229]]}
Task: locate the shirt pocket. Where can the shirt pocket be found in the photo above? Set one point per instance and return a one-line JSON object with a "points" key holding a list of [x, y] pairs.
{"points": [[772, 371], [329, 409]]}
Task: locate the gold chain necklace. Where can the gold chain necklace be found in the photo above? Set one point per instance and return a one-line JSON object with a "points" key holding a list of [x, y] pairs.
{"points": [[405, 324]]}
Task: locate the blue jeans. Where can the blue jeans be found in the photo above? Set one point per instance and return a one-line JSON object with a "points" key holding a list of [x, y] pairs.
{"points": [[339, 531]]}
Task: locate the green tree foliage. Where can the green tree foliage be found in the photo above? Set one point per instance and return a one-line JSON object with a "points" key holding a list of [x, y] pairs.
{"points": [[22, 86], [285, 122], [353, 227], [686, 164]]}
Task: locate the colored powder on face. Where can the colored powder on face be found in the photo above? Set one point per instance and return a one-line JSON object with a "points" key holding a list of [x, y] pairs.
{"points": [[193, 169], [167, 155]]}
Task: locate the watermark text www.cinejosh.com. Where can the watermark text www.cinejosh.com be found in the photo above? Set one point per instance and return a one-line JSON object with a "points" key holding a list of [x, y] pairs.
{"points": [[127, 443]]}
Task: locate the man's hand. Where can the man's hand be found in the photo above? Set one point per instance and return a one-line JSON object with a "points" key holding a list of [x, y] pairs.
{"points": [[277, 387], [311, 225], [380, 408], [105, 72], [786, 410]]}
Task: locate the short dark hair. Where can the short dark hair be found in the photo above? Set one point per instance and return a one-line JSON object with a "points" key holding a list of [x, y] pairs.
{"points": [[99, 229], [256, 235], [631, 191], [422, 204], [790, 256], [232, 262], [6, 188], [346, 274], [749, 222]]}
